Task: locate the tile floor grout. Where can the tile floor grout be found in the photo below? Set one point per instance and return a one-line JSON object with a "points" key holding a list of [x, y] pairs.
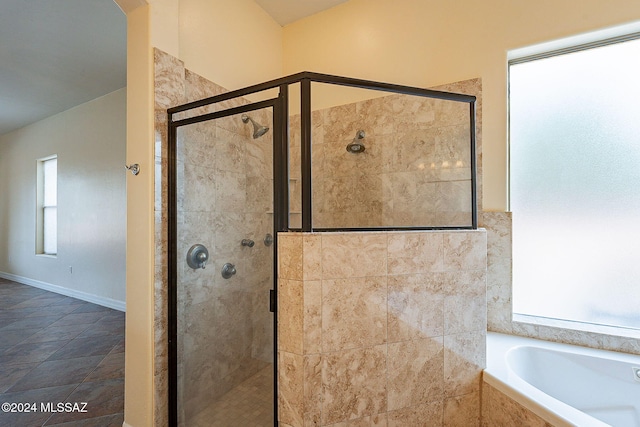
{"points": [[47, 357]]}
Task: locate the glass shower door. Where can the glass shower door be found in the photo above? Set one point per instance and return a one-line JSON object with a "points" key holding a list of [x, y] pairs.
{"points": [[225, 271]]}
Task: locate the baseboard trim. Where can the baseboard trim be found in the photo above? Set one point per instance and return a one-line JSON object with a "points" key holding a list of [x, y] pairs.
{"points": [[95, 299]]}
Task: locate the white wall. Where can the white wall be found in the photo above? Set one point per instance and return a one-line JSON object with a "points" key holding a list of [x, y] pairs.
{"points": [[89, 141]]}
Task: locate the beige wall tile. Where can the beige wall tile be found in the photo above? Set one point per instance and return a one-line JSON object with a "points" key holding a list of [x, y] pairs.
{"points": [[290, 388], [312, 249], [230, 151], [313, 308], [290, 256], [463, 411], [200, 194], [340, 123], [354, 255], [379, 420], [354, 313], [465, 251], [426, 414], [415, 252], [499, 410], [169, 80], [290, 316], [354, 384], [415, 307], [231, 191], [464, 360], [415, 372], [259, 157], [259, 195], [312, 389], [464, 313], [465, 303]]}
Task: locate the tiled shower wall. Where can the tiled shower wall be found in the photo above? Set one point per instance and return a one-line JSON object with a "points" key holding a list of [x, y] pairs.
{"points": [[225, 196], [415, 170], [381, 328]]}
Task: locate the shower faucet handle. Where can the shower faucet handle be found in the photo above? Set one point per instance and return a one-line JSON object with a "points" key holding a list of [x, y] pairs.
{"points": [[197, 256], [202, 259], [247, 242], [228, 270]]}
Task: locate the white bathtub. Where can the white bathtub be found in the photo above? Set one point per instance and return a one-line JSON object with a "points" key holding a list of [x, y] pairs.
{"points": [[566, 385]]}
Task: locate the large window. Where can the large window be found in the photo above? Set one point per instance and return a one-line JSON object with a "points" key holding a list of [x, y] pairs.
{"points": [[575, 184], [47, 210]]}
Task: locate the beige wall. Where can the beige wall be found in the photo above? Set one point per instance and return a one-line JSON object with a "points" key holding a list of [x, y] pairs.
{"points": [[89, 141], [233, 43], [139, 365], [426, 42]]}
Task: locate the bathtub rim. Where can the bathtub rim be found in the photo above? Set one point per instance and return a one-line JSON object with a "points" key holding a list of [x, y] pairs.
{"points": [[546, 407]]}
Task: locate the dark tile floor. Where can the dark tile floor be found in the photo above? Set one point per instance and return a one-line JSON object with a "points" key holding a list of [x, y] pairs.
{"points": [[56, 354]]}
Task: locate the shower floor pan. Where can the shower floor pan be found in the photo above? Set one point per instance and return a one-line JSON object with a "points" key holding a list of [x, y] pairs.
{"points": [[245, 405]]}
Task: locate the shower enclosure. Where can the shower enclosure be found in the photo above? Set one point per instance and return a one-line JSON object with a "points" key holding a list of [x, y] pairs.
{"points": [[308, 152]]}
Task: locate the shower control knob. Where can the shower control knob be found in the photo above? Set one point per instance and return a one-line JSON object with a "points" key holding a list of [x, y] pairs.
{"points": [[248, 242], [197, 256], [228, 270]]}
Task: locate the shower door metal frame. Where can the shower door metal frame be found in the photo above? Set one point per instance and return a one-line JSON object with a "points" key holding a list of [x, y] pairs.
{"points": [[280, 198], [280, 105], [305, 78]]}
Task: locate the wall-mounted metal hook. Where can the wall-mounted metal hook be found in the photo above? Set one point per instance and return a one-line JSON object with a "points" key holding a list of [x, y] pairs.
{"points": [[134, 168]]}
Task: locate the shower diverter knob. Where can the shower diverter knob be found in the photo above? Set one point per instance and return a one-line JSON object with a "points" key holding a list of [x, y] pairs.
{"points": [[228, 270], [197, 256]]}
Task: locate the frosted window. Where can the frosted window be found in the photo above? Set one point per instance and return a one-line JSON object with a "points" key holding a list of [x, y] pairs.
{"points": [[575, 173], [50, 171], [50, 230], [50, 210]]}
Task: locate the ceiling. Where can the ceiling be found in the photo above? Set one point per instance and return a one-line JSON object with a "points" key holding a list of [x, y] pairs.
{"points": [[56, 54], [287, 11]]}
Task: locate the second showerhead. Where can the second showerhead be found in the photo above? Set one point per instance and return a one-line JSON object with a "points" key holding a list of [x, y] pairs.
{"points": [[357, 145], [258, 129]]}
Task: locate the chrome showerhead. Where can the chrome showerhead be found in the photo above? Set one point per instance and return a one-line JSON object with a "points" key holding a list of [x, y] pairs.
{"points": [[258, 129], [357, 146]]}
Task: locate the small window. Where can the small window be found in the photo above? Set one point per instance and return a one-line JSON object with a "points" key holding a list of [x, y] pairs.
{"points": [[574, 122], [47, 211]]}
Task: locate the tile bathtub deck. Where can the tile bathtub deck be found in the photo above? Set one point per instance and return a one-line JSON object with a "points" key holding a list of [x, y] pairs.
{"points": [[56, 349]]}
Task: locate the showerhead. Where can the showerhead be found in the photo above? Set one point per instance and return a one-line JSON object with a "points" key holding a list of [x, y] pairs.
{"points": [[258, 129], [357, 146]]}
